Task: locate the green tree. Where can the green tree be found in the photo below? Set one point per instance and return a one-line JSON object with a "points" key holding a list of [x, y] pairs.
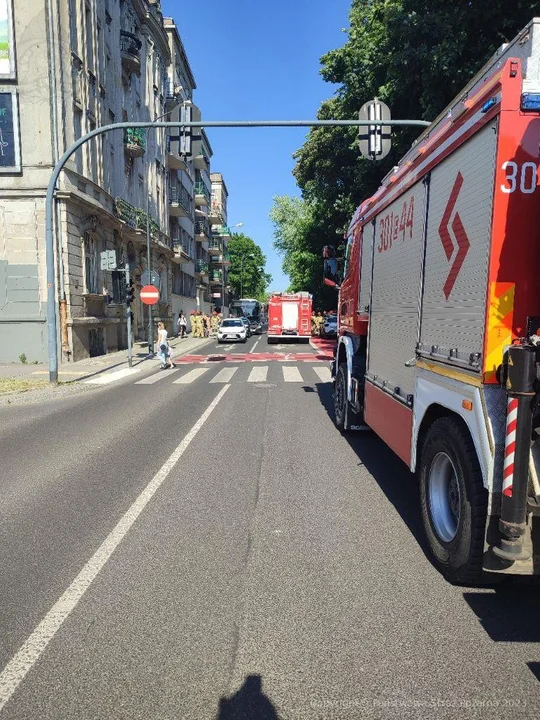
{"points": [[295, 239], [416, 55], [247, 276]]}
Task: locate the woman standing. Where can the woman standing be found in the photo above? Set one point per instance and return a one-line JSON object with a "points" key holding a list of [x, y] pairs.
{"points": [[164, 349], [182, 325]]}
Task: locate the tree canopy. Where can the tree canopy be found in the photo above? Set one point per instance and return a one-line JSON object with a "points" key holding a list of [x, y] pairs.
{"points": [[415, 55], [247, 277]]}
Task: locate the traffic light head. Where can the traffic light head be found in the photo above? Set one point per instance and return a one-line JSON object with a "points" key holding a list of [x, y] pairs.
{"points": [[130, 293]]}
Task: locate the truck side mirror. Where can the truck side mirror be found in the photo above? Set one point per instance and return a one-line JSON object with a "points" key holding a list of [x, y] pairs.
{"points": [[331, 276]]}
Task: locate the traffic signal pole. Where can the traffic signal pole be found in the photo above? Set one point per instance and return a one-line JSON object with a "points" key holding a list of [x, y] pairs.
{"points": [[184, 126], [128, 309]]}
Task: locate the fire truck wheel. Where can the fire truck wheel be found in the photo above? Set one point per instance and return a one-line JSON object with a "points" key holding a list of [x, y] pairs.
{"points": [[344, 416], [453, 501]]}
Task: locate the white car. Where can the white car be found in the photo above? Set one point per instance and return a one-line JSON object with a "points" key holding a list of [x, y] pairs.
{"points": [[232, 330], [330, 327]]}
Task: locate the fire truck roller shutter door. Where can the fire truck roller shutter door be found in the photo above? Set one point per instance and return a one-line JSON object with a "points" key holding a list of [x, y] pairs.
{"points": [[458, 241], [397, 268]]}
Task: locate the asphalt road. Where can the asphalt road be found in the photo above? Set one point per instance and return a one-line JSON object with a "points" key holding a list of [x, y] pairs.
{"points": [[221, 551]]}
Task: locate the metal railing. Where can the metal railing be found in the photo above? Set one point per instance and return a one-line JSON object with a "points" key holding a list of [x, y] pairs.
{"points": [[134, 136], [201, 267], [130, 44], [179, 195], [201, 189], [202, 227]]}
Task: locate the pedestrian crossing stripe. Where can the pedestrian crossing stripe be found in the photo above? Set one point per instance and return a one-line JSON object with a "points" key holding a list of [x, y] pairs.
{"points": [[257, 374], [254, 357]]}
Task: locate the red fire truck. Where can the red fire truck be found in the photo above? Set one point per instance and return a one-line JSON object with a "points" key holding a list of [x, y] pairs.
{"points": [[439, 319], [289, 316]]}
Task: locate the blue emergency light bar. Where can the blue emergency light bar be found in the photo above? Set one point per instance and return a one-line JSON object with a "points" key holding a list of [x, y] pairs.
{"points": [[530, 102]]}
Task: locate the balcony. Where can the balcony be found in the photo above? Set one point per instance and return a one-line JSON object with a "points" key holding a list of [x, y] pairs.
{"points": [[221, 231], [176, 161], [134, 142], [202, 230], [181, 254], [144, 220], [216, 247], [220, 258], [202, 194], [179, 201], [201, 267], [130, 48], [202, 161], [215, 213], [126, 212], [216, 277]]}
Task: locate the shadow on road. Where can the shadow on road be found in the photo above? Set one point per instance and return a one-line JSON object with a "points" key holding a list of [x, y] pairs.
{"points": [[534, 667], [249, 703], [390, 473], [510, 614]]}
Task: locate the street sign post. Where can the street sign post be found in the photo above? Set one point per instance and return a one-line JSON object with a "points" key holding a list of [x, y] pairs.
{"points": [[128, 312], [108, 260], [150, 278], [374, 140], [149, 295]]}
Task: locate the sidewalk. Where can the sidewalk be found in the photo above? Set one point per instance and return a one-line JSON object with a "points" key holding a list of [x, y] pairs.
{"points": [[90, 367]]}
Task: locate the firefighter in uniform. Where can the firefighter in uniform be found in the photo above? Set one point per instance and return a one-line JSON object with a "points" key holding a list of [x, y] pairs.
{"points": [[314, 326], [195, 324], [320, 322], [214, 323]]}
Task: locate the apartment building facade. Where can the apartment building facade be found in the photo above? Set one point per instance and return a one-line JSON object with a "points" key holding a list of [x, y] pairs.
{"points": [[189, 188], [221, 234], [73, 66]]}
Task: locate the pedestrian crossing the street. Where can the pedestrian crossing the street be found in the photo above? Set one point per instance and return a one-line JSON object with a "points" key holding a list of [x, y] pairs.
{"points": [[273, 374]]}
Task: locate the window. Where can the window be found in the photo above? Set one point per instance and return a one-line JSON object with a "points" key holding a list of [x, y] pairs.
{"points": [[89, 38], [72, 9], [92, 153], [183, 284], [77, 132], [163, 281], [91, 265]]}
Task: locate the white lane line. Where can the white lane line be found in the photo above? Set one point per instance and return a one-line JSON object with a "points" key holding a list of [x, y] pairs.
{"points": [[224, 376], [111, 377], [291, 374], [157, 377], [258, 374], [190, 376], [255, 345], [324, 374], [29, 653]]}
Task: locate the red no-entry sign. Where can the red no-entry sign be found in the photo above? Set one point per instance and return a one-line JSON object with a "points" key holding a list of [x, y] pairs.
{"points": [[149, 295]]}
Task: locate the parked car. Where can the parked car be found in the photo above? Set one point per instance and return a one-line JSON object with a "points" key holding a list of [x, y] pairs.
{"points": [[246, 323], [255, 326], [330, 326], [232, 330]]}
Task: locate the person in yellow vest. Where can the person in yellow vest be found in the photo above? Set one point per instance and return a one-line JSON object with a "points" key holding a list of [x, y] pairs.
{"points": [[320, 322], [314, 327], [214, 323]]}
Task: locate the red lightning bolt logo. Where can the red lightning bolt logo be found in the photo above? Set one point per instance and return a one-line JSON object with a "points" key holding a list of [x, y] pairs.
{"points": [[462, 240]]}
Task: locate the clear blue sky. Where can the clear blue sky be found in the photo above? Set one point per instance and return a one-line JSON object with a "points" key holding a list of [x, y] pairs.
{"points": [[257, 61]]}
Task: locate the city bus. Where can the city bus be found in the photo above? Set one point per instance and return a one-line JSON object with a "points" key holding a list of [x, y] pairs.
{"points": [[253, 310]]}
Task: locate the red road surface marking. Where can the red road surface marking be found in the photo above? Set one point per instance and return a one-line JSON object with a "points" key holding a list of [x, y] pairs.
{"points": [[251, 357]]}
